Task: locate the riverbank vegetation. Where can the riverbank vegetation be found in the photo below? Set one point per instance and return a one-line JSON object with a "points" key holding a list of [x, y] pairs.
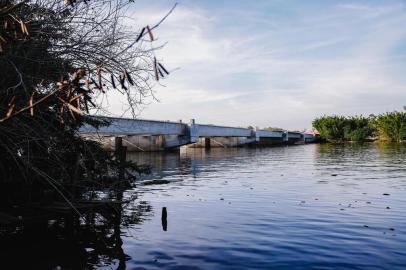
{"points": [[59, 61], [390, 126]]}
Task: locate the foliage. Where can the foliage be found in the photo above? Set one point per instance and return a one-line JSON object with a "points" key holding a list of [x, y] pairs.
{"points": [[391, 126], [357, 128], [340, 128], [273, 129], [58, 59], [330, 127]]}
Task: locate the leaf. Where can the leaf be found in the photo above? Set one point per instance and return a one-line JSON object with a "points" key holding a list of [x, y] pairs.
{"points": [[24, 29], [151, 36], [113, 82], [10, 110], [11, 101], [71, 107], [160, 72], [30, 103], [164, 69], [100, 79], [122, 82], [155, 70], [86, 106], [129, 79], [89, 99], [95, 83], [76, 97], [140, 35]]}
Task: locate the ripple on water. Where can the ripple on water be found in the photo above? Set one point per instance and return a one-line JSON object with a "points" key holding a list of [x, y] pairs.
{"points": [[311, 206]]}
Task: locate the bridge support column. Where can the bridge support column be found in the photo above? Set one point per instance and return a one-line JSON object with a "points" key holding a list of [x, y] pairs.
{"points": [[193, 131], [121, 155], [207, 143], [286, 138], [161, 141]]}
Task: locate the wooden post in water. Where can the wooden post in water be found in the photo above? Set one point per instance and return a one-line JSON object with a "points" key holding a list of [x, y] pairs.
{"points": [[164, 219], [121, 155]]}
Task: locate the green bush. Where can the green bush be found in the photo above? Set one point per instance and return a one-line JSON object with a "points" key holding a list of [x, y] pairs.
{"points": [[391, 126], [340, 128], [330, 127]]}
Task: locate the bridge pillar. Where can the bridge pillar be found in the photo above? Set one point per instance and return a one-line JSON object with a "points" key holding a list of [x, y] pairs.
{"points": [[256, 134], [193, 131], [161, 142], [286, 137], [207, 143], [120, 152]]}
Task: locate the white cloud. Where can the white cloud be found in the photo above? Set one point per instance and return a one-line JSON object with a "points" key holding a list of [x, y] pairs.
{"points": [[234, 72]]}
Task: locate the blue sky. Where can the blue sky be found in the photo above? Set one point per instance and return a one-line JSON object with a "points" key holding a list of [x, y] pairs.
{"points": [[277, 62]]}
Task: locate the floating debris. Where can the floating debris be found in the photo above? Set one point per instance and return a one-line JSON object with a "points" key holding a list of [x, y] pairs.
{"points": [[387, 207], [386, 194], [334, 174]]}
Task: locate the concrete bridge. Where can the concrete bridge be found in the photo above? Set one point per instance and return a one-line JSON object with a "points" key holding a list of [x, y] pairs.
{"points": [[151, 135]]}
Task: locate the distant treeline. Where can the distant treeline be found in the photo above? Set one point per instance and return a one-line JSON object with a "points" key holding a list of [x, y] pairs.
{"points": [[390, 126]]}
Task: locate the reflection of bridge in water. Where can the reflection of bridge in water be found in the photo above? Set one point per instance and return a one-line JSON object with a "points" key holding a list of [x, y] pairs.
{"points": [[174, 166], [151, 135]]}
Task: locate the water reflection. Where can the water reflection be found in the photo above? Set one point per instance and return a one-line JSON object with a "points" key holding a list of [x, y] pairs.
{"points": [[188, 161], [299, 207], [295, 207], [91, 241]]}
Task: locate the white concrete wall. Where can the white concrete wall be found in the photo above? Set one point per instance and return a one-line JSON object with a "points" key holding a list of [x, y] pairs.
{"points": [[124, 126]]}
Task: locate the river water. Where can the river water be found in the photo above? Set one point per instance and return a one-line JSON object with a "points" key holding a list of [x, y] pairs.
{"points": [[316, 206], [294, 207]]}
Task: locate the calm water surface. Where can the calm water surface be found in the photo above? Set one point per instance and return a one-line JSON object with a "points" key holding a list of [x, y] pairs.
{"points": [[297, 207]]}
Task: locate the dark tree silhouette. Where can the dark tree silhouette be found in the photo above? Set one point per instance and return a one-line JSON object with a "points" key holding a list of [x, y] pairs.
{"points": [[58, 59]]}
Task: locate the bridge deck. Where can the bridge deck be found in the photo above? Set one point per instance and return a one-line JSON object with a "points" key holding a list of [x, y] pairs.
{"points": [[219, 131], [184, 133], [125, 126]]}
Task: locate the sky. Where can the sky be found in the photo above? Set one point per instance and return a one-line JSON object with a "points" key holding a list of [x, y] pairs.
{"points": [[278, 63]]}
